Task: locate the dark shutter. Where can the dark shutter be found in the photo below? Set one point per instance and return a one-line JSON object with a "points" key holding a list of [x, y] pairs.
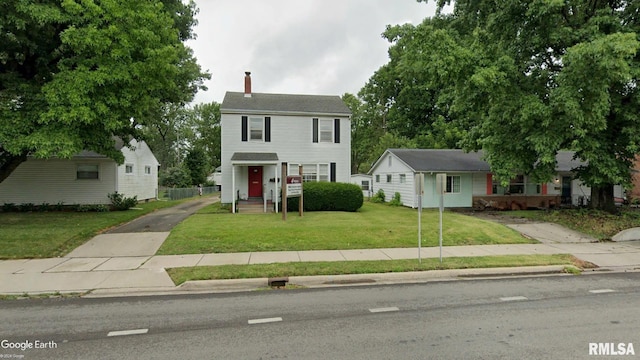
{"points": [[332, 172], [245, 128], [267, 129], [315, 130], [336, 130]]}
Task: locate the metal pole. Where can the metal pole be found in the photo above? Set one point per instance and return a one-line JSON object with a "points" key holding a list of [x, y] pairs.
{"points": [[441, 210], [420, 228]]}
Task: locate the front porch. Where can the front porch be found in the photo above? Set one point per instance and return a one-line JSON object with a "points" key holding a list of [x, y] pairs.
{"points": [[254, 179]]}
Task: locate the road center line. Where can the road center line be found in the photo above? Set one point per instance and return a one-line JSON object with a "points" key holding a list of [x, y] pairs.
{"points": [[264, 321], [128, 332], [385, 309], [513, 298], [601, 291]]}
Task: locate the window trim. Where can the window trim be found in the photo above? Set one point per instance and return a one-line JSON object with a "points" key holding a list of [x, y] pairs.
{"points": [[389, 178], [325, 131], [128, 169], [147, 170], [97, 171], [450, 185], [254, 121]]}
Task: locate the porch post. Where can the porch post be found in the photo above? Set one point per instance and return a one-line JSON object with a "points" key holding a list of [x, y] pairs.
{"points": [[276, 186], [233, 189]]}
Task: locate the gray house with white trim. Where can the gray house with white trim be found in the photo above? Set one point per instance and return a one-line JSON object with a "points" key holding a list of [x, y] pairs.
{"points": [[262, 131]]}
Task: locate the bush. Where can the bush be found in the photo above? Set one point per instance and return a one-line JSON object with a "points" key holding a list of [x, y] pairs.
{"points": [[379, 197], [8, 207], [119, 202], [396, 200], [328, 196]]}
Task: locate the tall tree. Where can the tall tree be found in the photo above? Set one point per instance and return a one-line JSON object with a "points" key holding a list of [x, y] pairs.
{"points": [[74, 74], [535, 77]]}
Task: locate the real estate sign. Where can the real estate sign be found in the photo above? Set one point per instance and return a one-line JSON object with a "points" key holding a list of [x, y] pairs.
{"points": [[294, 186]]}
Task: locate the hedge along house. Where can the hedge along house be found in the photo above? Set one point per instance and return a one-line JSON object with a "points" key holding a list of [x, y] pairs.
{"points": [[262, 131], [85, 179], [469, 182]]}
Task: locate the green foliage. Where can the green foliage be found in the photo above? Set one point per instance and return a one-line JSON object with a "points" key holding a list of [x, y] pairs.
{"points": [[75, 75], [175, 177], [328, 196], [198, 165], [120, 203], [396, 200], [379, 197]]}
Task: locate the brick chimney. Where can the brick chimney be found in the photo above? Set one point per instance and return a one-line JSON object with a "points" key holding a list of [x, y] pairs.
{"points": [[247, 84]]}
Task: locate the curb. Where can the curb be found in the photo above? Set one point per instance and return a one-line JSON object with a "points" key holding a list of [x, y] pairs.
{"points": [[326, 281]]}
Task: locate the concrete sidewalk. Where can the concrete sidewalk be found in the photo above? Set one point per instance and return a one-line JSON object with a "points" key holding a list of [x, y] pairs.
{"points": [[122, 274]]}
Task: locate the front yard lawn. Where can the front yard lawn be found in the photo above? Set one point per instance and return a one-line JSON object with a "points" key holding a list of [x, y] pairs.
{"points": [[373, 226], [51, 234]]}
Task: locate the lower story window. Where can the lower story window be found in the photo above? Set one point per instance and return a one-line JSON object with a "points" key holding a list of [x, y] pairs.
{"points": [[365, 184], [88, 171], [453, 184], [309, 172]]}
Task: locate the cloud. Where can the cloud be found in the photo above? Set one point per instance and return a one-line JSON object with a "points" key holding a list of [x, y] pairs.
{"points": [[296, 47]]}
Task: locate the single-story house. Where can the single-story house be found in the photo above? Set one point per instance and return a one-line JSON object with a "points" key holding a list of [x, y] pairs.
{"points": [[470, 183], [364, 181], [87, 178]]}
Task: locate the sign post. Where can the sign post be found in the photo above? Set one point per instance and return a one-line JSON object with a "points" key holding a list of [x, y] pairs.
{"points": [[293, 188], [419, 184], [441, 187], [284, 191]]}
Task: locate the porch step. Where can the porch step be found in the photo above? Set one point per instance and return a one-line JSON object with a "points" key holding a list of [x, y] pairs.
{"points": [[254, 208]]}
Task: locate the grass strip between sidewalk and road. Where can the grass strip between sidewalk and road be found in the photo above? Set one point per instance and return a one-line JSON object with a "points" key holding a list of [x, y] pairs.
{"points": [[183, 274], [373, 226]]}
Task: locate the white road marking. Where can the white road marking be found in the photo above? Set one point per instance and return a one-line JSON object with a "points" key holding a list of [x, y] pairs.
{"points": [[128, 332], [264, 321], [601, 291], [385, 309], [513, 298]]}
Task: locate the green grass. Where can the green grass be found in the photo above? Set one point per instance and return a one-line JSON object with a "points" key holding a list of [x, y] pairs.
{"points": [[51, 234], [180, 275], [373, 226], [598, 224]]}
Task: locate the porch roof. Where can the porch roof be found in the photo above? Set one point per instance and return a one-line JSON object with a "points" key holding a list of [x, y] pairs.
{"points": [[254, 157]]}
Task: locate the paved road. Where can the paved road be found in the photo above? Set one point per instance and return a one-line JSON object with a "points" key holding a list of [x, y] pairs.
{"points": [[165, 219], [553, 317]]}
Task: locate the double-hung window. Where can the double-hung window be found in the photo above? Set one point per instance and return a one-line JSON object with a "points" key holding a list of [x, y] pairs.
{"points": [[326, 130], [256, 128], [128, 169], [453, 184], [88, 172], [309, 172]]}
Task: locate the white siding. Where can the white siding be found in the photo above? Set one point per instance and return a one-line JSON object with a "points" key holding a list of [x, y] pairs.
{"points": [[54, 181], [138, 183], [357, 179], [291, 140], [394, 168]]}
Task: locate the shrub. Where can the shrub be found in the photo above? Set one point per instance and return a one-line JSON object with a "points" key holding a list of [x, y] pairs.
{"points": [[328, 196], [8, 207], [379, 197], [119, 202], [396, 200], [26, 207]]}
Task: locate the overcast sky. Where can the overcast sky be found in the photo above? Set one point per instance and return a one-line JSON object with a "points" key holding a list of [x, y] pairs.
{"points": [[324, 47]]}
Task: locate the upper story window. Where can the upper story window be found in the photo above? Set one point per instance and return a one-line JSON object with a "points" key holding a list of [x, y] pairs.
{"points": [[389, 177], [128, 169], [403, 178], [256, 128], [147, 170], [326, 130]]}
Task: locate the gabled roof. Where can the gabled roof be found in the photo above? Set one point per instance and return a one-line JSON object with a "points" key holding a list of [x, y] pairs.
{"points": [[260, 103], [454, 160]]}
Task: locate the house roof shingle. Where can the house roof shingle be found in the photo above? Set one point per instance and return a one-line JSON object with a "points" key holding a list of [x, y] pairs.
{"points": [[236, 102], [453, 160]]}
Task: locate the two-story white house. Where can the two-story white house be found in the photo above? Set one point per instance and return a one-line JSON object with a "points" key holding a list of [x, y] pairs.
{"points": [[261, 132]]}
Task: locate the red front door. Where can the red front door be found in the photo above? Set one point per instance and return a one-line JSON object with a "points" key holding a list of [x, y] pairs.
{"points": [[255, 181]]}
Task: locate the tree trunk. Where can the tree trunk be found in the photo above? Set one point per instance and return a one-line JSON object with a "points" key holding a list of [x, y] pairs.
{"points": [[8, 163], [602, 198]]}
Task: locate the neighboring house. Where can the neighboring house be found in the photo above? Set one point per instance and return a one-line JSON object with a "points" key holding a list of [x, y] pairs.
{"points": [[86, 178], [635, 190], [469, 182], [364, 181], [216, 177], [260, 132]]}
